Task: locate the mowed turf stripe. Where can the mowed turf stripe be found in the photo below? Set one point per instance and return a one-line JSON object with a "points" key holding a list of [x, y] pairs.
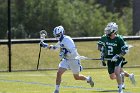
{"points": [[51, 85]]}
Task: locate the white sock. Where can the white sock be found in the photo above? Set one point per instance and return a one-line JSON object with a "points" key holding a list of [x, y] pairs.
{"points": [[57, 87], [122, 74], [87, 78], [130, 75], [120, 86]]}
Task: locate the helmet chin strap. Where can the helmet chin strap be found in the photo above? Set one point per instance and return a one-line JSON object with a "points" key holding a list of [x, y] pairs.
{"points": [[59, 36]]}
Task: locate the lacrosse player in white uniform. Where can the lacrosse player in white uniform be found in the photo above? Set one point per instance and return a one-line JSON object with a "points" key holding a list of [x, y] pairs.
{"points": [[68, 54]]}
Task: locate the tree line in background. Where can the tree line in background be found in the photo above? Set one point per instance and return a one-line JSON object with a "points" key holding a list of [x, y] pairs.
{"points": [[80, 18]]}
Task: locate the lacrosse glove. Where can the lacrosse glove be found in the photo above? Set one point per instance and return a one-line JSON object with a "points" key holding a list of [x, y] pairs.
{"points": [[103, 61], [44, 45], [115, 58], [63, 53]]}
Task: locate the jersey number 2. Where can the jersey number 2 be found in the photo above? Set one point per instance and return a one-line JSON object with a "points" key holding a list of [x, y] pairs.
{"points": [[110, 50]]}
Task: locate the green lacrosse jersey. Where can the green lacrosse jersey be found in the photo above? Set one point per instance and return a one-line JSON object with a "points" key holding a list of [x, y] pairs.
{"points": [[111, 46]]}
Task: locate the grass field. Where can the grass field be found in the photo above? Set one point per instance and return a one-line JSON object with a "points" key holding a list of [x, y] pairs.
{"points": [[25, 56], [44, 82]]}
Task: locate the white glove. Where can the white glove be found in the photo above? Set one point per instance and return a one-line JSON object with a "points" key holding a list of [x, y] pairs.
{"points": [[44, 45], [51, 47], [115, 58]]}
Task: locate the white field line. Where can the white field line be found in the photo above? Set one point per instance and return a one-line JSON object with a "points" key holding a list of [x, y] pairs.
{"points": [[44, 84], [51, 85]]}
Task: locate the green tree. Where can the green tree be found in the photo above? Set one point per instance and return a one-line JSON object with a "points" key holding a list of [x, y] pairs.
{"points": [[79, 17], [3, 19]]}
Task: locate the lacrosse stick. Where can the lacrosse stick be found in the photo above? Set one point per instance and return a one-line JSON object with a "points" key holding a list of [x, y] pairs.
{"points": [[102, 59], [43, 34], [130, 46], [87, 58]]}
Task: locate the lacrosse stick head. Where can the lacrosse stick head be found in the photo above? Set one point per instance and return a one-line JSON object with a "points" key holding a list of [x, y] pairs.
{"points": [[43, 34]]}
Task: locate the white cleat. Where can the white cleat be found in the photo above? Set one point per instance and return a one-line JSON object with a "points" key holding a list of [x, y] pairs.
{"points": [[132, 79], [120, 90], [56, 91], [123, 86], [90, 81]]}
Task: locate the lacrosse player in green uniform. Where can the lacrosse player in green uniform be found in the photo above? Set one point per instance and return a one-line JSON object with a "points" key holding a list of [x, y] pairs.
{"points": [[113, 46]]}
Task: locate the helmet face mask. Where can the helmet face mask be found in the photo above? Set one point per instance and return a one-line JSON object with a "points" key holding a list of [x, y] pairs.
{"points": [[58, 31], [111, 28]]}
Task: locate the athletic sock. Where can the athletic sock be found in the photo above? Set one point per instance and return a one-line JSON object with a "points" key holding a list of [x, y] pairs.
{"points": [[120, 86], [57, 87]]}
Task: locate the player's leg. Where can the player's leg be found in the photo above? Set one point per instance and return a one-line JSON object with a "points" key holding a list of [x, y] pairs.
{"points": [[76, 68], [114, 73], [122, 76], [59, 75], [82, 77], [112, 76], [119, 75], [111, 66], [119, 78], [62, 68], [131, 76], [58, 79]]}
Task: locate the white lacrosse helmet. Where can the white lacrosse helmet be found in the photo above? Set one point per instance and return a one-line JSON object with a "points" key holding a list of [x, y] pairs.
{"points": [[58, 31], [111, 27]]}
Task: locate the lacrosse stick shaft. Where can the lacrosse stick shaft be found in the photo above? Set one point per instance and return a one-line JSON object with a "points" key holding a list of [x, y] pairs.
{"points": [[43, 34], [87, 58], [39, 58], [106, 59]]}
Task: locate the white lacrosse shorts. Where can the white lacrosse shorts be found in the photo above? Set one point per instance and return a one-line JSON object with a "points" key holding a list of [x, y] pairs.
{"points": [[73, 64]]}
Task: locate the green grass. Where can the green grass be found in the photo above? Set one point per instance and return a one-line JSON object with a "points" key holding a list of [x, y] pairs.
{"points": [[25, 56], [44, 82]]}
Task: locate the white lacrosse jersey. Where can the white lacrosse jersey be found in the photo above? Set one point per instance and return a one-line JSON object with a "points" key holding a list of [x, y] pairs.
{"points": [[69, 61], [66, 44]]}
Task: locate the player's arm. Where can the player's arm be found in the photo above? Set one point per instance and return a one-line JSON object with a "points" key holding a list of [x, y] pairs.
{"points": [[124, 47], [101, 45], [51, 47], [124, 50], [101, 48]]}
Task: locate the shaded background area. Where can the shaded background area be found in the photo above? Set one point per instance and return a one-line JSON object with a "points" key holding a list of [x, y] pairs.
{"points": [[79, 17]]}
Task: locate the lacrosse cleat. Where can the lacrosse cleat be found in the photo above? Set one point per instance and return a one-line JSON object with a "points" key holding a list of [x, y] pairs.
{"points": [[132, 79], [120, 90], [90, 81], [56, 91], [123, 86]]}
